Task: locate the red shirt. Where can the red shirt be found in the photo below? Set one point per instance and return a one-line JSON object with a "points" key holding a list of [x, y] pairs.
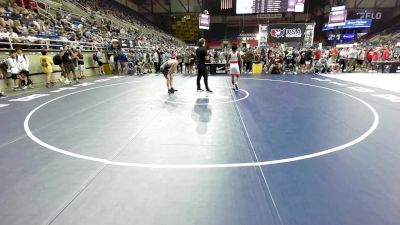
{"points": [[334, 51], [385, 55], [369, 54], [317, 54], [375, 56]]}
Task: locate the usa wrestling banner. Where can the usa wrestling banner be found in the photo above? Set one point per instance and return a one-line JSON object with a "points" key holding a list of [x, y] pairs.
{"points": [[300, 33]]}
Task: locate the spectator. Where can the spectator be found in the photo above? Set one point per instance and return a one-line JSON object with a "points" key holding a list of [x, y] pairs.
{"points": [[122, 61], [343, 55], [156, 60], [47, 68], [249, 58], [68, 57], [353, 53], [2, 95], [81, 64], [14, 69], [100, 59], [23, 62]]}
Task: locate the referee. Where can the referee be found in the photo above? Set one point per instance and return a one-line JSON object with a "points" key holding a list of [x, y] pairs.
{"points": [[201, 57]]}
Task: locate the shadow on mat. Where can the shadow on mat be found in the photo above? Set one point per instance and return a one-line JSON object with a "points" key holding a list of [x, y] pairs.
{"points": [[202, 113]]}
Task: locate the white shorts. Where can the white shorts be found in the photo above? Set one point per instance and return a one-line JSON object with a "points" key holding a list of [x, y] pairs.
{"points": [[234, 69], [81, 68]]}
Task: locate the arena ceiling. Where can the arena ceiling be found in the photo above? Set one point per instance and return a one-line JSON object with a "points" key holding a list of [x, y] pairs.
{"points": [[317, 7], [147, 7]]}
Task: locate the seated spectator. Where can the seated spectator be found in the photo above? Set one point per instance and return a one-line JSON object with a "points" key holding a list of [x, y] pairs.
{"points": [[333, 64], [276, 65]]}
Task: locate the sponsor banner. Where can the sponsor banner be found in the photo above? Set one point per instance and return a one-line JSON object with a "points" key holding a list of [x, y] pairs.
{"points": [[350, 24], [300, 33], [286, 32]]}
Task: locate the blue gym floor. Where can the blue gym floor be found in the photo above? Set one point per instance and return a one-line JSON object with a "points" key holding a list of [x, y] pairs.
{"points": [[283, 150]]}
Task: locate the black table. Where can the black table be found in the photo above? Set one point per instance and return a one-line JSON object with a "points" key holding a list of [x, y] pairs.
{"points": [[387, 66], [216, 68]]}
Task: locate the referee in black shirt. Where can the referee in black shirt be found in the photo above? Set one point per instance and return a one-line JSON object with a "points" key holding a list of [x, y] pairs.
{"points": [[201, 57]]}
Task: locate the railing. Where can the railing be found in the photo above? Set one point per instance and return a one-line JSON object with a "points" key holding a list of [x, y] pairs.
{"points": [[56, 44], [50, 4], [49, 44]]}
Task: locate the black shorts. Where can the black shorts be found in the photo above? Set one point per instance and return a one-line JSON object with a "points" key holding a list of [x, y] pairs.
{"points": [[101, 63], [14, 76], [164, 70], [360, 62]]}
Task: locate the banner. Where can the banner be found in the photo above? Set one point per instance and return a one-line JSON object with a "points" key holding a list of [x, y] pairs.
{"points": [[350, 24], [263, 36], [337, 16], [290, 33], [204, 22], [309, 35]]}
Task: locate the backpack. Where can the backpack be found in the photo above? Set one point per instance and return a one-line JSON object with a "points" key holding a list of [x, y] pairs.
{"points": [[3, 64], [57, 60], [44, 63], [95, 58]]}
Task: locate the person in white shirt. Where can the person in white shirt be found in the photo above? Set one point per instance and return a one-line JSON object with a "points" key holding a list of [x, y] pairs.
{"points": [[343, 58], [100, 61], [23, 61], [14, 69], [353, 53], [156, 60]]}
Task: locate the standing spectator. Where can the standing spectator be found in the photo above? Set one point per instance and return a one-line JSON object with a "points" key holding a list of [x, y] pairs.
{"points": [[23, 62], [111, 62], [308, 55], [385, 54], [2, 95], [99, 58], [81, 64], [186, 60], [131, 64], [14, 69], [149, 63], [122, 61], [116, 62], [343, 58], [369, 55], [156, 60], [353, 53], [361, 59], [69, 66], [57, 60], [47, 68], [249, 58]]}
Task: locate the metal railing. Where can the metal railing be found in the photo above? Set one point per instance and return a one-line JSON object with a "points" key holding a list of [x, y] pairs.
{"points": [[48, 44]]}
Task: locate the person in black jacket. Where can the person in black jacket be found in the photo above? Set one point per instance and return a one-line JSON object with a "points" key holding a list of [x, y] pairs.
{"points": [[201, 58]]}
